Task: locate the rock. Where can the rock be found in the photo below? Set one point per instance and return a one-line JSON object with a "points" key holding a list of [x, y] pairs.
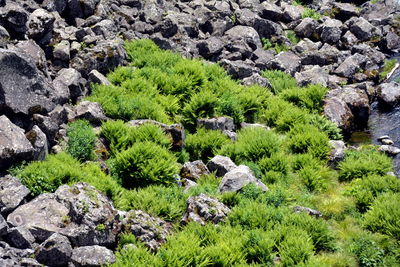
{"points": [[388, 94], [291, 12], [12, 194], [285, 61], [383, 137], [344, 11], [22, 88], [97, 77], [242, 36], [74, 212], [391, 42], [387, 142], [40, 26], [337, 153], [364, 30], [313, 75], [327, 55], [219, 123], [10, 257], [3, 226], [309, 211], [72, 79], [269, 10], [14, 146], [176, 131], [239, 177], [90, 111], [203, 209], [306, 28], [150, 230], [230, 134], [351, 65], [262, 57], [92, 256], [13, 17], [238, 69], [20, 237], [256, 79], [32, 50], [390, 150], [62, 50], [331, 31], [257, 125], [188, 184], [221, 165], [210, 47], [194, 170], [337, 111], [55, 251], [78, 9], [29, 262], [48, 125], [348, 40], [306, 45], [39, 142]]}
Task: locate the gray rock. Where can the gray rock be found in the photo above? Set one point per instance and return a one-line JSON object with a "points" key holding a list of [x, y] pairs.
{"points": [[40, 26], [210, 47], [351, 65], [29, 262], [62, 50], [392, 42], [256, 125], [256, 79], [269, 10], [73, 80], [285, 61], [203, 209], [380, 138], [262, 57], [309, 211], [3, 226], [306, 45], [194, 170], [32, 50], [243, 35], [306, 28], [39, 142], [327, 55], [20, 237], [152, 231], [12, 194], [331, 31], [291, 12], [55, 251], [388, 94], [387, 142], [92, 256], [48, 125], [238, 69], [364, 30], [13, 17], [337, 153], [55, 5], [313, 75], [390, 150], [188, 184], [221, 165], [14, 146], [218, 123], [97, 77], [90, 111], [230, 134], [337, 111], [22, 88], [345, 11], [239, 177], [349, 39], [78, 9], [10, 257]]}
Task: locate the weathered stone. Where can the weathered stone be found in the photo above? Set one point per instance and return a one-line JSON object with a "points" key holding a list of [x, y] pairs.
{"points": [[391, 42], [291, 12], [313, 75], [337, 111], [92, 256], [285, 61], [239, 177], [14, 146], [306, 28], [269, 10], [219, 123], [40, 26], [306, 45], [211, 47], [256, 79], [90, 111], [14, 17], [3, 226], [351, 65], [73, 80], [20, 237], [388, 94], [10, 256], [337, 153], [39, 142], [97, 77], [387, 142], [48, 126], [203, 209], [390, 150], [221, 165], [239, 69], [12, 194], [243, 35], [364, 30], [344, 11], [62, 50], [55, 251], [194, 170], [32, 50], [331, 31], [150, 230], [22, 88], [309, 211]]}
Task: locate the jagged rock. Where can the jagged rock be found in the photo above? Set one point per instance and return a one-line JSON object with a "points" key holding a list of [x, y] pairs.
{"points": [[55, 5], [62, 51], [219, 123], [313, 75], [150, 230], [240, 36], [55, 251], [188, 184], [90, 111], [230, 134], [72, 79], [388, 94], [32, 50], [14, 146], [239, 177], [10, 257], [74, 212], [12, 194], [176, 131], [291, 12], [3, 226], [387, 142], [349, 39], [309, 211], [48, 126], [256, 79], [285, 61], [92, 256], [239, 69], [390, 150], [337, 153], [363, 30], [203, 209], [39, 142], [13, 17], [326, 55], [391, 42], [337, 111], [78, 9], [22, 88], [306, 28], [210, 47], [97, 77], [20, 237], [262, 57], [351, 65], [40, 26], [331, 31], [306, 45], [344, 11], [269, 10], [194, 170], [221, 165], [376, 58]]}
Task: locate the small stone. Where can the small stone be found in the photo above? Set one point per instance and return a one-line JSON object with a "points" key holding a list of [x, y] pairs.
{"points": [[20, 237], [55, 251], [194, 170], [219, 123], [309, 211], [239, 177], [387, 142], [12, 194], [221, 165], [390, 150], [92, 256]]}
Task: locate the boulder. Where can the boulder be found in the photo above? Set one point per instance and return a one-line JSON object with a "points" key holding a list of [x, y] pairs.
{"points": [[306, 28], [269, 10], [10, 256], [351, 65], [194, 170], [337, 111], [72, 79], [336, 154], [239, 177], [388, 94], [55, 251], [256, 79], [242, 36], [210, 47], [13, 17], [331, 31], [363, 30], [390, 150], [239, 69], [92, 256], [291, 12], [3, 226], [326, 55], [40, 26], [90, 111], [220, 165], [313, 75], [12, 194], [285, 61], [391, 42], [62, 51], [14, 146], [39, 142], [152, 231], [344, 11], [20, 237], [23, 89], [30, 49], [219, 123], [97, 77], [307, 210], [203, 209], [48, 125]]}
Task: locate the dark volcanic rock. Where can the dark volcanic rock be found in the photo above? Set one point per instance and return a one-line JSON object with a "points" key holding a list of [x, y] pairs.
{"points": [[92, 256], [12, 194], [55, 251]]}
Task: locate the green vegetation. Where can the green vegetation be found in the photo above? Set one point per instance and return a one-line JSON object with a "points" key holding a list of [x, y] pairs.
{"points": [[387, 68], [310, 13], [359, 201]]}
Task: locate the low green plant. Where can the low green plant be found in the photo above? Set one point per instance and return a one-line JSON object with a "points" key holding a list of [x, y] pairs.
{"points": [[310, 97], [279, 80], [81, 140], [326, 126], [143, 164], [291, 35], [310, 13], [295, 248], [387, 68]]}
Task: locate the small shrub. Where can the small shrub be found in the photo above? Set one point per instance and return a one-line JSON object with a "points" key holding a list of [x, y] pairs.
{"points": [[359, 164], [229, 106], [310, 13], [207, 184], [326, 126], [310, 97], [251, 192], [143, 164], [81, 140], [204, 144], [387, 68], [277, 162], [291, 35], [279, 80], [315, 179], [258, 247], [384, 215], [367, 251]]}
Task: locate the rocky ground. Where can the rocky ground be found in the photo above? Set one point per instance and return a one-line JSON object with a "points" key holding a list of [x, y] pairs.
{"points": [[51, 51]]}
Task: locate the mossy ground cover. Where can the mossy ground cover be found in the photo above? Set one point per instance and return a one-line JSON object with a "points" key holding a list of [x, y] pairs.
{"points": [[359, 201]]}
